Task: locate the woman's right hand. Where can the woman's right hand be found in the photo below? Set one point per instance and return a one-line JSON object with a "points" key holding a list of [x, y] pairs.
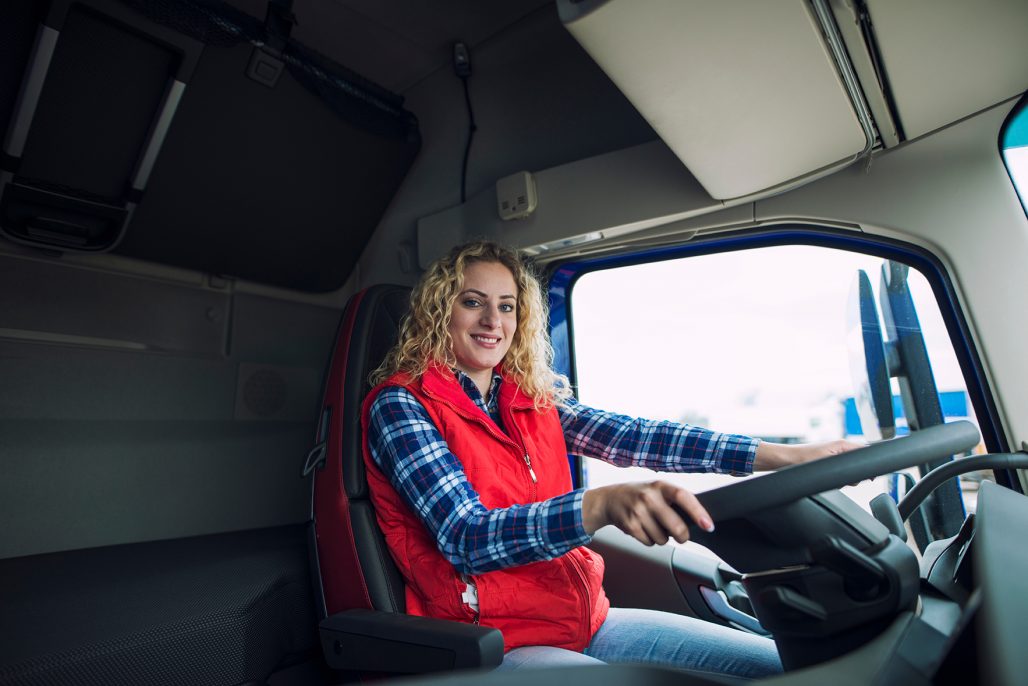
{"points": [[644, 511]]}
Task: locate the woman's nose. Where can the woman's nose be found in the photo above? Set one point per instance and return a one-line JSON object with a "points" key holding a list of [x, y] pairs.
{"points": [[490, 317]]}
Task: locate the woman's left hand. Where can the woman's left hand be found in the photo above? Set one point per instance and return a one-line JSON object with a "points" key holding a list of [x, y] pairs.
{"points": [[777, 455]]}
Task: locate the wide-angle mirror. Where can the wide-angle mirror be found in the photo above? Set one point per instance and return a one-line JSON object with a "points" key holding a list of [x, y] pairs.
{"points": [[869, 362]]}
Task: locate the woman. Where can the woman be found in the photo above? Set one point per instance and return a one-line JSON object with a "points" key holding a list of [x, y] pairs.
{"points": [[467, 435]]}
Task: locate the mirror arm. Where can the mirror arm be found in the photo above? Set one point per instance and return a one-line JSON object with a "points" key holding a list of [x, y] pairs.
{"points": [[915, 496]]}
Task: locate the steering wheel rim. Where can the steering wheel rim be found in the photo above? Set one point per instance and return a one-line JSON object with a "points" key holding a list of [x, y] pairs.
{"points": [[799, 481]]}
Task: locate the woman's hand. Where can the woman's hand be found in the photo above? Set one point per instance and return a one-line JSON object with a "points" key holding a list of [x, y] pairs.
{"points": [[778, 455], [644, 511]]}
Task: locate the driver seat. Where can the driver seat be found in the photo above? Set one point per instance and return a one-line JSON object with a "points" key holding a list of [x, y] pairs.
{"points": [[361, 592]]}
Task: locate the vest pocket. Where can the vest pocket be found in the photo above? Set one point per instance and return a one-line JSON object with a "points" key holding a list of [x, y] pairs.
{"points": [[535, 604], [469, 595], [461, 598]]}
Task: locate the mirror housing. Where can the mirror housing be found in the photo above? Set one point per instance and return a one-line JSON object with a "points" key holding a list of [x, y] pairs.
{"points": [[869, 362]]}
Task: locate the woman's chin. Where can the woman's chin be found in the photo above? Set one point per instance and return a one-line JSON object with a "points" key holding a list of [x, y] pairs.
{"points": [[479, 364]]}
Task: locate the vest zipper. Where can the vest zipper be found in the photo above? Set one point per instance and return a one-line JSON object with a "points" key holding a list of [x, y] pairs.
{"points": [[526, 457], [531, 472], [588, 609]]}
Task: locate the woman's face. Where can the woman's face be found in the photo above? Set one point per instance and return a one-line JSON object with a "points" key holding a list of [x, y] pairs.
{"points": [[484, 319]]}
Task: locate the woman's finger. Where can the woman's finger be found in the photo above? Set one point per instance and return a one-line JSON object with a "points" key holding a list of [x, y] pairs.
{"points": [[694, 509], [646, 517], [659, 532], [670, 514]]}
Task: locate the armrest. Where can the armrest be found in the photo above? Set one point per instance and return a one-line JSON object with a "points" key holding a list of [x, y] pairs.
{"points": [[372, 640]]}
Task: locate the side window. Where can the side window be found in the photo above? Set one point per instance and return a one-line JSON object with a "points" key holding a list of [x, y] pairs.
{"points": [[755, 342]]}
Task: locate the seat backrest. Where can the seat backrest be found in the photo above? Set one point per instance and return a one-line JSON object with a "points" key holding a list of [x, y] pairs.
{"points": [[355, 568]]}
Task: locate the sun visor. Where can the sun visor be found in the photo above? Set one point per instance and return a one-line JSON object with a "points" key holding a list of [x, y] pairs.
{"points": [[746, 94]]}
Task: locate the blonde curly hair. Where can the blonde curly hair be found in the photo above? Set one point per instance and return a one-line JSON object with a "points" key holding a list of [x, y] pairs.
{"points": [[424, 338]]}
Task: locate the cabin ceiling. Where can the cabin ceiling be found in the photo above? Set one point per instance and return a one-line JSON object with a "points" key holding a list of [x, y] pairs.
{"points": [[758, 85], [398, 43], [745, 118]]}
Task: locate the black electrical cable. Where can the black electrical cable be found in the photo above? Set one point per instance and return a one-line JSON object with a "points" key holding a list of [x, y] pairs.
{"points": [[471, 135]]}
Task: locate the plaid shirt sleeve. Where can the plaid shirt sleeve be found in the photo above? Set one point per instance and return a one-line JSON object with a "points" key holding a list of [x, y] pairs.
{"points": [[413, 455], [662, 446]]}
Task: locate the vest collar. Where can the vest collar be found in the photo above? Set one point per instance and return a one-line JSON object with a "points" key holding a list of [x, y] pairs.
{"points": [[440, 381]]}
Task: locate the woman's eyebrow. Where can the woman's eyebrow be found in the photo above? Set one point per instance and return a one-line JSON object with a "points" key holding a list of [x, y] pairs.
{"points": [[485, 295]]}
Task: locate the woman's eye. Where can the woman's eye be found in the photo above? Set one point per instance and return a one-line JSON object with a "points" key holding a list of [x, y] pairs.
{"points": [[471, 302], [506, 307]]}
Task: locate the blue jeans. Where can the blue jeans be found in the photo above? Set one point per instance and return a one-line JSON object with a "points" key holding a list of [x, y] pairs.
{"points": [[660, 638]]}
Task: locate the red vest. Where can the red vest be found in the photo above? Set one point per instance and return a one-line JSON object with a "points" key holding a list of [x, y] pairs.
{"points": [[558, 602]]}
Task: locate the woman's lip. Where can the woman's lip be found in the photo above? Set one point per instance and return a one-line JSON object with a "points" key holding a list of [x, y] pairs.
{"points": [[486, 340]]}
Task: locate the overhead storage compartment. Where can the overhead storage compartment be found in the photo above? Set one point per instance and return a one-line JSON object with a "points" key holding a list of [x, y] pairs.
{"points": [[190, 133], [746, 94], [947, 59], [88, 124]]}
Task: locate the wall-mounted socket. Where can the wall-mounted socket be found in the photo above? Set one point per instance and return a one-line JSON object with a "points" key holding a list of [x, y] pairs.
{"points": [[515, 196]]}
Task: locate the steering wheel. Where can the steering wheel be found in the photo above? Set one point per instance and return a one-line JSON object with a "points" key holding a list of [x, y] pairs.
{"points": [[822, 574], [930, 481], [792, 483]]}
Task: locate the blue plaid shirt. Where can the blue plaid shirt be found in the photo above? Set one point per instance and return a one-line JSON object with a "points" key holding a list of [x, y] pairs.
{"points": [[413, 455]]}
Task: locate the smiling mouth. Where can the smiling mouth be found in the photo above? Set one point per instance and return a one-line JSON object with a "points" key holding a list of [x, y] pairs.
{"points": [[487, 340]]}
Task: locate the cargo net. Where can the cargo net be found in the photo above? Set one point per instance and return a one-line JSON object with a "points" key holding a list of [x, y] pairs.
{"points": [[360, 102]]}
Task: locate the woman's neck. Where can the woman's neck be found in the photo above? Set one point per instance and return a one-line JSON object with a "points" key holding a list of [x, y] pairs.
{"points": [[483, 380]]}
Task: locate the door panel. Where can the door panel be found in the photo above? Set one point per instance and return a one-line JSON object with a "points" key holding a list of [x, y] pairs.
{"points": [[671, 579]]}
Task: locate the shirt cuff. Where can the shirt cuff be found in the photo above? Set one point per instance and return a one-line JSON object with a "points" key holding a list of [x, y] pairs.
{"points": [[581, 534], [564, 529], [737, 454]]}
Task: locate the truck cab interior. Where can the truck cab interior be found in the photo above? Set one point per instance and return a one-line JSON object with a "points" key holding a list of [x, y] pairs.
{"points": [[211, 216]]}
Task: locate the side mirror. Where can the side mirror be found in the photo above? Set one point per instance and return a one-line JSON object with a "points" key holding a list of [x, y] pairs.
{"points": [[869, 364]]}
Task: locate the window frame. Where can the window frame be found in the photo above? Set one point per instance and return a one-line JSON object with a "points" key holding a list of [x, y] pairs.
{"points": [[562, 277]]}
